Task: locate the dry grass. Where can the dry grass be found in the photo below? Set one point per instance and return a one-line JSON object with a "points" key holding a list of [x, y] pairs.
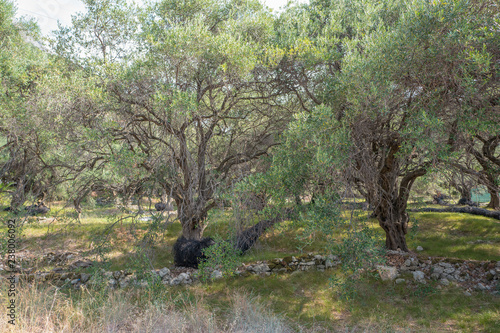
{"points": [[47, 309]]}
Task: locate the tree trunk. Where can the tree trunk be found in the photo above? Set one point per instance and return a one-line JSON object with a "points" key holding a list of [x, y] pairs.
{"points": [[395, 224], [192, 228], [78, 207], [18, 197], [464, 194], [494, 200]]}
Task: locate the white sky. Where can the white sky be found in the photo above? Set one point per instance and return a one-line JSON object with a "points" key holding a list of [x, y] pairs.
{"points": [[48, 12]]}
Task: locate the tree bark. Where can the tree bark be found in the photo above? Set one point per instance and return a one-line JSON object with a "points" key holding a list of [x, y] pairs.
{"points": [[494, 199], [395, 224], [19, 196]]}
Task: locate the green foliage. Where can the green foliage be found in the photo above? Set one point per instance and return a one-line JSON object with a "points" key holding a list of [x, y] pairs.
{"points": [[221, 256]]}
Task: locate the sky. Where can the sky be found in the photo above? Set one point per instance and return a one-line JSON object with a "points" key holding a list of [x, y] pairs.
{"points": [[48, 12]]}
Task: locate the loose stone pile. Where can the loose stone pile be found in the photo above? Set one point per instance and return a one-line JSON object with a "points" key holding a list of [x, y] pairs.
{"points": [[401, 267], [470, 275]]}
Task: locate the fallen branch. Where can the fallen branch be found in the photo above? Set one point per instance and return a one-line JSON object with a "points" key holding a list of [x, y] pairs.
{"points": [[467, 210]]}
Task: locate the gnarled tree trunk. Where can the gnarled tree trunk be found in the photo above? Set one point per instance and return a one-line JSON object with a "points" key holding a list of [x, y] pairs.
{"points": [[394, 221], [494, 199]]}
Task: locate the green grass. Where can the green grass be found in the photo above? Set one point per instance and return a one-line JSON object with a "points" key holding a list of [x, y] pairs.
{"points": [[455, 235]]}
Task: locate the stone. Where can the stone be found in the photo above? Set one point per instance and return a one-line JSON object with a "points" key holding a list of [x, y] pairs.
{"points": [[75, 281], [445, 265], [184, 276], [85, 277], [480, 286], [408, 262], [437, 270], [466, 293], [332, 257], [112, 283], [419, 276], [164, 272], [176, 281], [399, 281], [117, 275], [216, 275], [449, 270], [419, 248], [435, 276], [125, 282], [387, 272], [328, 263], [261, 268], [444, 282]]}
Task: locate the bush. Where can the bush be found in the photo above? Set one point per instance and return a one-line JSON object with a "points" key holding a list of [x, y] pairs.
{"points": [[221, 256]]}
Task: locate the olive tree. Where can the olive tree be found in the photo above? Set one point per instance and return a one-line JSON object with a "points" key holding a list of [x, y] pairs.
{"points": [[401, 82], [193, 96]]}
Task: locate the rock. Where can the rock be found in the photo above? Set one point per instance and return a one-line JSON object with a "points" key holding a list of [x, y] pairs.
{"points": [[184, 276], [449, 270], [117, 275], [81, 264], [216, 275], [419, 248], [335, 258], [75, 281], [408, 262], [261, 268], [126, 281], [85, 277], [466, 293], [164, 272], [328, 263], [112, 283], [419, 276], [437, 270], [445, 265], [480, 286], [175, 281], [444, 282], [435, 276], [387, 272], [399, 281]]}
